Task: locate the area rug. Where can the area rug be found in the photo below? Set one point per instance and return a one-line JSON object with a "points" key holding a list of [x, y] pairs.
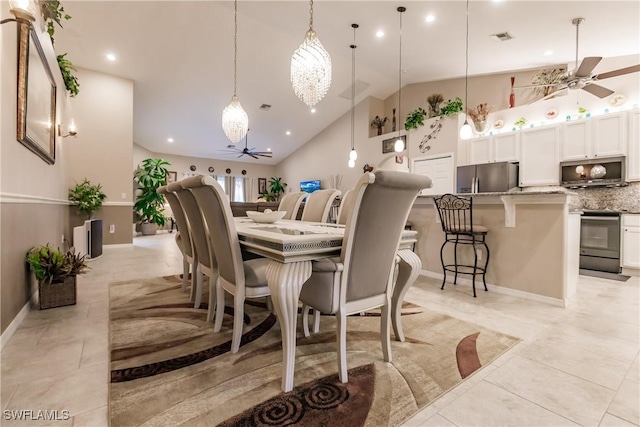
{"points": [[168, 367]]}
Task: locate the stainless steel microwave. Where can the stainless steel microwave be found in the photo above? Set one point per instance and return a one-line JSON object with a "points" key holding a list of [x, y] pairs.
{"points": [[603, 172]]}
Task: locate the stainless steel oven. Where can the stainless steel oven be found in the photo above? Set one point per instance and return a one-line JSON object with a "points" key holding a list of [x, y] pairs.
{"points": [[600, 241]]}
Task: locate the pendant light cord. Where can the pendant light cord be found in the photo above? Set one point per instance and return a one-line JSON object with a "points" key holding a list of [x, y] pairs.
{"points": [[311, 16], [235, 48], [466, 71], [353, 86], [401, 10]]}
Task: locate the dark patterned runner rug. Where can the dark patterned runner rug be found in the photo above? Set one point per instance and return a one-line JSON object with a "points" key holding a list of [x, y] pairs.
{"points": [[168, 367]]}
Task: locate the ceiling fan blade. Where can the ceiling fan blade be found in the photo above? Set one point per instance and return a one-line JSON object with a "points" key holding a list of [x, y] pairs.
{"points": [[263, 155], [253, 155], [620, 72], [242, 154], [597, 90], [539, 85], [587, 65]]}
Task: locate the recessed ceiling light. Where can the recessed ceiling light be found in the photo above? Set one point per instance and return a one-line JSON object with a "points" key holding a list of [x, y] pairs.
{"points": [[379, 33], [169, 139], [288, 132], [313, 110], [547, 53], [430, 18], [268, 149], [111, 57]]}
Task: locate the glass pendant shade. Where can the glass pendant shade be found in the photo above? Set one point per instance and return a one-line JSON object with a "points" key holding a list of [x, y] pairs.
{"points": [[235, 121], [311, 70], [353, 155], [25, 9], [465, 131], [398, 146], [73, 129], [352, 163]]}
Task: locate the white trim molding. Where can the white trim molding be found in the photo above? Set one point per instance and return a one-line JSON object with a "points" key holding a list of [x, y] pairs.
{"points": [[26, 198], [118, 204], [15, 323]]}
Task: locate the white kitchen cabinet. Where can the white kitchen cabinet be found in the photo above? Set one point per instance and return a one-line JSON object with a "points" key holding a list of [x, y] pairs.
{"points": [[576, 140], [633, 151], [539, 156], [502, 147], [609, 135], [631, 241]]}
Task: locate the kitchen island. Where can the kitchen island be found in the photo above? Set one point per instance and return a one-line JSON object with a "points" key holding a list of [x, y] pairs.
{"points": [[534, 239]]}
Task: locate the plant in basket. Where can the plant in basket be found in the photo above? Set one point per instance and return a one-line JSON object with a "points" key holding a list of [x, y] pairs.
{"points": [[56, 273]]}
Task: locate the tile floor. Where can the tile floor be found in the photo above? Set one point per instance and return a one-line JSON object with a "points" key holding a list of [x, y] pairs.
{"points": [[574, 366]]}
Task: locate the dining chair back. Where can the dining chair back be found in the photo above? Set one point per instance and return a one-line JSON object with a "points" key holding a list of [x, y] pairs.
{"points": [[242, 279], [318, 205], [291, 203], [206, 261], [346, 206], [362, 277], [183, 236]]}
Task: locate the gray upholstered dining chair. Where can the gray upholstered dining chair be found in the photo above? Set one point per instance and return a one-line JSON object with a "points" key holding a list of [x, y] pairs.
{"points": [[183, 238], [291, 203], [361, 278], [206, 261], [242, 279], [346, 206], [318, 205]]}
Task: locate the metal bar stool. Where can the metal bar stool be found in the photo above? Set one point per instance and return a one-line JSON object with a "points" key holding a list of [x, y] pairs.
{"points": [[456, 216]]}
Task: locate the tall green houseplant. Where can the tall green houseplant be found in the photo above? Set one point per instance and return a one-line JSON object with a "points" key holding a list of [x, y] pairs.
{"points": [[87, 197], [149, 205]]}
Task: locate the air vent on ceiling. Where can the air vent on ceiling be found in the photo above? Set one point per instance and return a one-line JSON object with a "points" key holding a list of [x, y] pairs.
{"points": [[360, 87], [265, 107], [502, 37]]}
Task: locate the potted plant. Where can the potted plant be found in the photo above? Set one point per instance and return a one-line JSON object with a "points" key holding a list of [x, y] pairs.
{"points": [[149, 205], [56, 274], [379, 123], [434, 102], [87, 197], [276, 187], [415, 119], [451, 108], [479, 116]]}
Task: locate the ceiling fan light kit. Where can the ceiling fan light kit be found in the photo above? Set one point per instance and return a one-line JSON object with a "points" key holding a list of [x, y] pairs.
{"points": [[235, 121], [246, 151], [311, 68]]}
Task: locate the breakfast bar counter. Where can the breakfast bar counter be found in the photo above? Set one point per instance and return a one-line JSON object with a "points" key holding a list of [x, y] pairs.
{"points": [[534, 240]]}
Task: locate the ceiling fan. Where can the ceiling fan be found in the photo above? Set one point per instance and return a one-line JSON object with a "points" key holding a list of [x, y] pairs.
{"points": [[248, 151], [581, 77]]}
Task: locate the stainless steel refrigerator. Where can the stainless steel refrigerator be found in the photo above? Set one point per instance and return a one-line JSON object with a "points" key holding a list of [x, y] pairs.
{"points": [[487, 178]]}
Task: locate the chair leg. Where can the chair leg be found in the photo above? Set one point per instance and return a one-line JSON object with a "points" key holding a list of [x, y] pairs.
{"points": [[316, 320], [385, 336], [198, 296], [195, 270], [342, 346], [212, 299], [219, 306], [238, 322], [305, 319], [185, 273], [475, 266], [444, 270], [486, 264], [455, 260]]}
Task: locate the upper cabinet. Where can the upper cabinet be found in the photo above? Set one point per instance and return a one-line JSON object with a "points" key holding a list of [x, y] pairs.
{"points": [[633, 153], [502, 147], [600, 136], [539, 156]]}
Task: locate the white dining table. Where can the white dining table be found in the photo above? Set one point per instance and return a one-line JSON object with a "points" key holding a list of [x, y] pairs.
{"points": [[292, 246]]}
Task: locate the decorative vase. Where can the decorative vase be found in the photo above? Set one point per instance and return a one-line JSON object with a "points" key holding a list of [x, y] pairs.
{"points": [[57, 294], [393, 121], [512, 96], [148, 228], [434, 110], [480, 126], [379, 130]]}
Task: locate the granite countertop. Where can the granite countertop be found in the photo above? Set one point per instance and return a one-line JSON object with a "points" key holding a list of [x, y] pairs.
{"points": [[516, 192]]}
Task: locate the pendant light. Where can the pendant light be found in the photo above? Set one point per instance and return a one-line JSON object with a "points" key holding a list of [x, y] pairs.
{"points": [[353, 154], [311, 68], [235, 121], [398, 146], [465, 130]]}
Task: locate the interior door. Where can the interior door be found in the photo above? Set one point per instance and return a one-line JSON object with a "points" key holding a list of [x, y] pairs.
{"points": [[440, 170]]}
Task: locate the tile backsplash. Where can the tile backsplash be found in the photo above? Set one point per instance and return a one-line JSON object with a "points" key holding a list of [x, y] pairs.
{"points": [[619, 199]]}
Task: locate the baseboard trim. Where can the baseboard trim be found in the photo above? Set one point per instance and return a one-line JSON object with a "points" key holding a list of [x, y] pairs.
{"points": [[500, 289], [15, 323]]}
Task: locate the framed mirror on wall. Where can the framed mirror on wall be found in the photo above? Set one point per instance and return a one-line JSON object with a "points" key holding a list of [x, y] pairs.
{"points": [[36, 97]]}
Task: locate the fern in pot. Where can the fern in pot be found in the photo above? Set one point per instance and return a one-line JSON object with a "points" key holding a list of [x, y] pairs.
{"points": [[149, 205]]}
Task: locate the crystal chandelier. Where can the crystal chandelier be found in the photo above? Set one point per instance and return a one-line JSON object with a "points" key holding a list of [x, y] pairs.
{"points": [[235, 121], [353, 154], [311, 68]]}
